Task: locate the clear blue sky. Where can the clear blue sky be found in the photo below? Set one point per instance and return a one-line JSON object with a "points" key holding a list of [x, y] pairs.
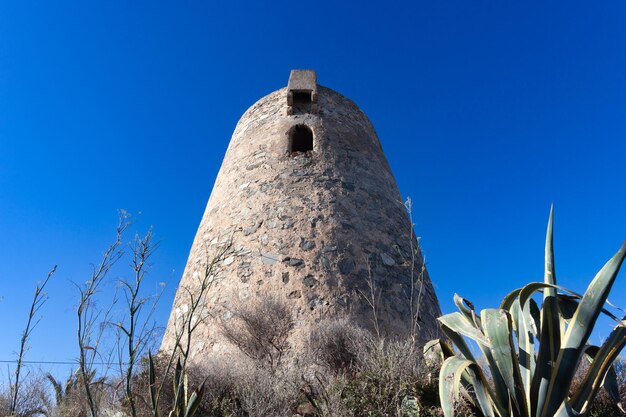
{"points": [[487, 111]]}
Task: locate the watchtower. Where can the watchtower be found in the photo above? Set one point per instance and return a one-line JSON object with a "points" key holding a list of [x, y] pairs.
{"points": [[309, 208]]}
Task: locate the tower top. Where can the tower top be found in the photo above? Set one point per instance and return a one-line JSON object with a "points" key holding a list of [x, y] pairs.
{"points": [[302, 80], [302, 91]]}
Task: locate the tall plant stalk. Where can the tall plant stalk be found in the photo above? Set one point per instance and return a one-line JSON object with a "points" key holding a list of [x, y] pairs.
{"points": [[88, 317], [136, 329], [39, 300]]}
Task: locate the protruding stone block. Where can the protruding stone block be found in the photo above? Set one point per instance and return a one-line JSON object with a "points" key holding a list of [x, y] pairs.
{"points": [[302, 92]]}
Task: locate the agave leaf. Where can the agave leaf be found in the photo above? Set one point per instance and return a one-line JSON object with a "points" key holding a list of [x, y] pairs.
{"points": [[466, 307], [179, 390], [455, 326], [566, 410], [446, 383], [611, 385], [450, 383], [154, 400], [530, 289], [194, 401], [569, 303], [535, 313], [510, 298], [567, 306], [610, 381], [497, 326], [598, 373], [458, 341], [464, 326], [523, 323], [436, 351], [474, 377], [579, 330], [550, 338], [185, 395]]}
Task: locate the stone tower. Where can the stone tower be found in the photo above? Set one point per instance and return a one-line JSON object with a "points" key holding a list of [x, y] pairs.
{"points": [[309, 208]]}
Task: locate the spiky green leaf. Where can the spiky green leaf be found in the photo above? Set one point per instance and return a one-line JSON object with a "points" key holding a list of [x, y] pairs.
{"points": [[579, 330], [497, 326], [452, 370], [601, 367]]}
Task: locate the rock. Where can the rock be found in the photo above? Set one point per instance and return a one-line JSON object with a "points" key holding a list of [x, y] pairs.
{"points": [[346, 266], [314, 302], [269, 258], [348, 186], [296, 262], [294, 294], [249, 230], [387, 259], [306, 244], [325, 263], [310, 281]]}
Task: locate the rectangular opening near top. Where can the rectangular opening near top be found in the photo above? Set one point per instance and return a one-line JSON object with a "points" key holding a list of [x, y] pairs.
{"points": [[301, 102]]}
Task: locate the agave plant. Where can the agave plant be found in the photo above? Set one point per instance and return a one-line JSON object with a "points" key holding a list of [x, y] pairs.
{"points": [[183, 404], [530, 354]]}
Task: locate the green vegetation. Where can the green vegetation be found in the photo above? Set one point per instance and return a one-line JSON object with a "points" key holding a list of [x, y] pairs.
{"points": [[531, 355]]}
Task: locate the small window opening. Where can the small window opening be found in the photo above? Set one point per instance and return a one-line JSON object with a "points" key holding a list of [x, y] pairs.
{"points": [[301, 139], [301, 102]]}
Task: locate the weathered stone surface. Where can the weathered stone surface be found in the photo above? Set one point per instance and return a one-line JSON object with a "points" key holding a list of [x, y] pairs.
{"points": [[312, 228]]}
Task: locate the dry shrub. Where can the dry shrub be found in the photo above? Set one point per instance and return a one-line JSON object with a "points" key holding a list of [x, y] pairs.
{"points": [[386, 374], [334, 344], [268, 392], [260, 329], [220, 393], [71, 399], [368, 376], [33, 399], [241, 388], [5, 402], [221, 388], [326, 394]]}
